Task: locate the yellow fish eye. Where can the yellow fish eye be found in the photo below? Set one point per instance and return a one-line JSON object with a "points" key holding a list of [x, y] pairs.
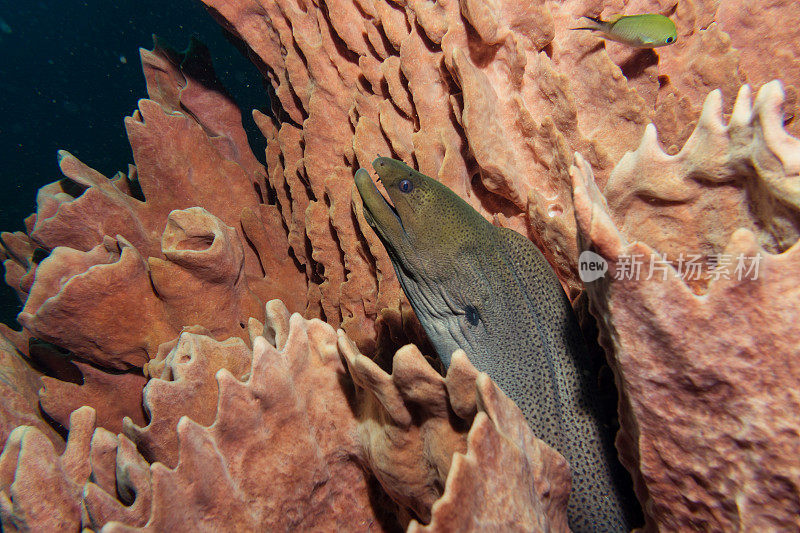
{"points": [[670, 39]]}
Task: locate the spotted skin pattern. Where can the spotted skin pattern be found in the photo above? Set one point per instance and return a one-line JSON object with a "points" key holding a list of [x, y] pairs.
{"points": [[490, 292]]}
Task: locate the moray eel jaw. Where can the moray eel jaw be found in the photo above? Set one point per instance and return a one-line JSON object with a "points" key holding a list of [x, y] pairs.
{"points": [[380, 215]]}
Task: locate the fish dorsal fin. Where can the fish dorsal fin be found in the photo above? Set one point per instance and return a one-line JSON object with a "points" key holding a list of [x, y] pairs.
{"points": [[600, 24]]}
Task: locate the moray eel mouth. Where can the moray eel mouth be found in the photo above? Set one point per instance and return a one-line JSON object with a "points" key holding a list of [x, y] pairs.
{"points": [[380, 214]]}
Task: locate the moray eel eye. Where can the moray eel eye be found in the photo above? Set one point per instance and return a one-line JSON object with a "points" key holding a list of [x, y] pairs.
{"points": [[405, 186], [670, 39]]}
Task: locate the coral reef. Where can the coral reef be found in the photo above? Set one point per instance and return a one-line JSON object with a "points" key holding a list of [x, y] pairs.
{"points": [[30, 465], [708, 408], [19, 388], [299, 442], [726, 176], [149, 388], [491, 99], [150, 245]]}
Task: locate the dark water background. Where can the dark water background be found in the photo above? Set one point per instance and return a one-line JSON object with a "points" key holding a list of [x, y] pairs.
{"points": [[69, 74]]}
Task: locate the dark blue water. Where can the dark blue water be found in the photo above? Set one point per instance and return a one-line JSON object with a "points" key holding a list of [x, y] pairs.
{"points": [[70, 73]]}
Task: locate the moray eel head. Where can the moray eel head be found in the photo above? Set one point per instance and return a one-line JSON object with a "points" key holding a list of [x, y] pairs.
{"points": [[404, 225], [430, 234]]}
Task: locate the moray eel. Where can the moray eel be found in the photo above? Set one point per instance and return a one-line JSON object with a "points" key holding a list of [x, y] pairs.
{"points": [[490, 292]]}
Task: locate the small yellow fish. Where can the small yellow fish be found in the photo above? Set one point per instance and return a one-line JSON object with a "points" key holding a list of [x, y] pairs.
{"points": [[649, 30]]}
